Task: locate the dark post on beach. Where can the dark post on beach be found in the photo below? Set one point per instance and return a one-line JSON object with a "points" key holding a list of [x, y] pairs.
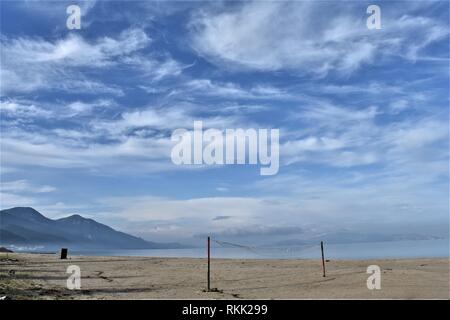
{"points": [[209, 264], [63, 253], [323, 259]]}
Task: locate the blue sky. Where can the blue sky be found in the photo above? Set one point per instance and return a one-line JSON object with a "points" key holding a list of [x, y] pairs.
{"points": [[86, 115]]}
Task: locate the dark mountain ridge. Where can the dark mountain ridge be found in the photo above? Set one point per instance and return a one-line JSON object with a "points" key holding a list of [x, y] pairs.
{"points": [[24, 226]]}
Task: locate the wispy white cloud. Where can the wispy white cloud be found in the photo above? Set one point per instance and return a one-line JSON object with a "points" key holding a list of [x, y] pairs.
{"points": [[195, 215], [97, 140], [74, 50], [24, 186], [298, 36], [22, 192], [63, 154], [23, 110], [9, 200], [230, 90], [55, 65], [359, 140]]}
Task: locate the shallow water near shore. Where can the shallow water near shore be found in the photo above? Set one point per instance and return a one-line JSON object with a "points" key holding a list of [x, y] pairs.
{"points": [[366, 250]]}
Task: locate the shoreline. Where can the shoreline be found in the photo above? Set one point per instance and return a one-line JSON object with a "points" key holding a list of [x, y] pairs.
{"points": [[401, 249], [43, 276], [245, 259], [56, 254]]}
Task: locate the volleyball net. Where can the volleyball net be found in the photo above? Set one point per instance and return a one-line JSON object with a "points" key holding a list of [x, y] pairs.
{"points": [[274, 252]]}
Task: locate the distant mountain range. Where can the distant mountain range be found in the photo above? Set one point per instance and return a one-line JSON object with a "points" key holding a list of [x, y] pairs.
{"points": [[26, 227], [353, 237]]}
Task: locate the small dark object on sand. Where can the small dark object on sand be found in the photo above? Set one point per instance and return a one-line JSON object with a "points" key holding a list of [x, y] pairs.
{"points": [[213, 290], [64, 253]]}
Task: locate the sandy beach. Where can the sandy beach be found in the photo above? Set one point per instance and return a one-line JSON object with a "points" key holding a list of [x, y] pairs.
{"points": [[43, 276]]}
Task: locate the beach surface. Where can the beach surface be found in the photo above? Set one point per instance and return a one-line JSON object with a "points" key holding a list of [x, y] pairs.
{"points": [[43, 276]]}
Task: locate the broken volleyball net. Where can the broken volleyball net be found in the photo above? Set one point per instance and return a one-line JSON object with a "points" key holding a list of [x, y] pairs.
{"points": [[274, 252], [293, 252]]}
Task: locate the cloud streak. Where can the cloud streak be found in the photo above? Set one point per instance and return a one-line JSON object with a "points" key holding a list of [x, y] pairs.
{"points": [[298, 36]]}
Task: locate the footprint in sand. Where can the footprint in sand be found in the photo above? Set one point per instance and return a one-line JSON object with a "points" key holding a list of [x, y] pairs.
{"points": [[99, 274]]}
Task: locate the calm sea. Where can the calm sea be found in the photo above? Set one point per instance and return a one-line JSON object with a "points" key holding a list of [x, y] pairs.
{"points": [[366, 250]]}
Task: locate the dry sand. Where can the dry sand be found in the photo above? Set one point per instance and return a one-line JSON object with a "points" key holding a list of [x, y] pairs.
{"points": [[39, 276]]}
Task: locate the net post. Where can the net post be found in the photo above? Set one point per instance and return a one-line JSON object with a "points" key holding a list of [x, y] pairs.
{"points": [[209, 265], [323, 258]]}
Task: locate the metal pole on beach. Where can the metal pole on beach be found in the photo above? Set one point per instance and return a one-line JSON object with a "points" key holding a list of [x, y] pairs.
{"points": [[323, 258], [209, 264]]}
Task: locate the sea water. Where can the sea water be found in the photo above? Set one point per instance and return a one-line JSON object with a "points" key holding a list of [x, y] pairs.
{"points": [[362, 250]]}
